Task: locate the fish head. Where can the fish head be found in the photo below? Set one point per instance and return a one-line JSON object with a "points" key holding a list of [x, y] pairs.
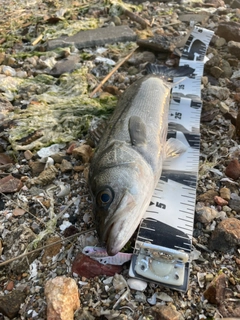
{"points": [[120, 199]]}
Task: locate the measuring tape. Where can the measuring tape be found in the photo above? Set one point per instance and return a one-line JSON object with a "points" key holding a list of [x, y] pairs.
{"points": [[164, 240]]}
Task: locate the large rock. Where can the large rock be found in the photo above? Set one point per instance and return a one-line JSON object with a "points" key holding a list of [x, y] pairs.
{"points": [[62, 298], [66, 65], [163, 312], [218, 92], [229, 30], [215, 292], [226, 237], [220, 294], [95, 37], [234, 48], [235, 4], [10, 304], [233, 169]]}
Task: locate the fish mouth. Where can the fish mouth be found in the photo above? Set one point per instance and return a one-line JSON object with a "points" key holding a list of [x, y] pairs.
{"points": [[114, 244], [121, 226]]}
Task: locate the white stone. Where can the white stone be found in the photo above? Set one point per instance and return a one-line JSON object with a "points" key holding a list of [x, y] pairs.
{"points": [[105, 60], [8, 71], [153, 299], [48, 151], [219, 92], [236, 74], [137, 284], [21, 74], [119, 282], [164, 297]]}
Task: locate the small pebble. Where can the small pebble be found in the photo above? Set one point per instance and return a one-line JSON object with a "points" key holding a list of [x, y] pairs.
{"points": [[140, 297], [10, 286], [225, 193], [153, 299], [209, 277], [119, 282], [28, 154], [233, 169], [137, 284], [220, 201], [8, 71], [21, 74], [164, 297]]}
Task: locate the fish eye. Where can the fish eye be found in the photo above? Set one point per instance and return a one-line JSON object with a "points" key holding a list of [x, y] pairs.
{"points": [[105, 197]]}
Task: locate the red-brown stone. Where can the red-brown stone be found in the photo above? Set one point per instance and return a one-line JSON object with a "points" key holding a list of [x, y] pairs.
{"points": [[215, 292], [89, 268], [233, 169], [10, 184], [226, 237]]}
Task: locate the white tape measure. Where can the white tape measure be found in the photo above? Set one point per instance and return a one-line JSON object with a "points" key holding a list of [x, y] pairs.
{"points": [[163, 245]]}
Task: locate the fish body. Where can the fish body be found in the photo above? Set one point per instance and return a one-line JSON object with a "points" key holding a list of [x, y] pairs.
{"points": [[127, 163]]}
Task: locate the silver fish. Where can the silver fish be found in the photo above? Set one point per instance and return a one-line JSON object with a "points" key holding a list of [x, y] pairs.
{"points": [[127, 163]]}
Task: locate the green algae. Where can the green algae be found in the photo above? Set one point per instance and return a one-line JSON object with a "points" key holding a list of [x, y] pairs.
{"points": [[9, 87], [69, 28], [58, 108], [121, 48], [62, 111], [117, 7]]}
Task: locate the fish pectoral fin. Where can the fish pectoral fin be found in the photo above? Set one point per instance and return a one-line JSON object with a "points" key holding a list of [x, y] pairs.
{"points": [[137, 131], [174, 148]]}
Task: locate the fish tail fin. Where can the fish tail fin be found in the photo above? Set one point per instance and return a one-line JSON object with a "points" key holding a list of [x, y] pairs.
{"points": [[167, 72]]}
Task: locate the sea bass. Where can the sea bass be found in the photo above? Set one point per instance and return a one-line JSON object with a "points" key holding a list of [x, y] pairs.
{"points": [[127, 163]]}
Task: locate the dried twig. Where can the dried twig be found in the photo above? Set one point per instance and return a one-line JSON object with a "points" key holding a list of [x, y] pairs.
{"points": [[111, 73], [136, 18], [58, 216], [122, 297], [43, 247], [38, 39], [152, 21]]}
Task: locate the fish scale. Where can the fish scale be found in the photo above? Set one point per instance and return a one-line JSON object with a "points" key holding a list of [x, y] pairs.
{"points": [[139, 105], [163, 245]]}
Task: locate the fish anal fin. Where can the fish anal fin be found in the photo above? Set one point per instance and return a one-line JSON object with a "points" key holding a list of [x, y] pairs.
{"points": [[174, 148], [137, 131]]}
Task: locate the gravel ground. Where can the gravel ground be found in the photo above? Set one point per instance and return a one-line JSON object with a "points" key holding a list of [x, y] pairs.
{"points": [[44, 100]]}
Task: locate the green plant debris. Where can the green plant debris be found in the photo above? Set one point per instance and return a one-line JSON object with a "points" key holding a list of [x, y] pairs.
{"points": [[65, 28], [121, 48], [9, 87], [117, 7], [50, 226], [61, 110]]}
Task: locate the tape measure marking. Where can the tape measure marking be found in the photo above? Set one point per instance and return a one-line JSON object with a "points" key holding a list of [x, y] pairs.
{"points": [[167, 227]]}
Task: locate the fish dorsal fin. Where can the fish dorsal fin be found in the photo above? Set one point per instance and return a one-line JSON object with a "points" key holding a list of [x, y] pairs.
{"points": [[174, 148], [137, 131]]}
